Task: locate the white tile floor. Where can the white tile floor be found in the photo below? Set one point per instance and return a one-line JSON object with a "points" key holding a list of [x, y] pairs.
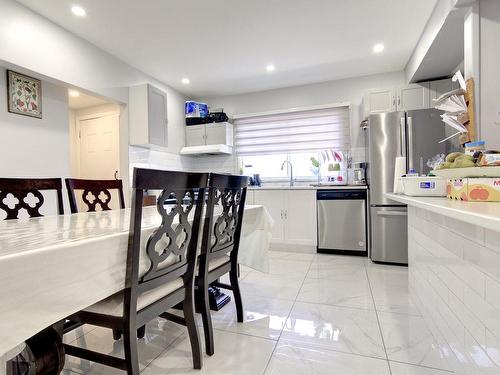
{"points": [[312, 314]]}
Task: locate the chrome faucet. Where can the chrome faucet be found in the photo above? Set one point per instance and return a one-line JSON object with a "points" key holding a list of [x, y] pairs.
{"points": [[291, 170]]}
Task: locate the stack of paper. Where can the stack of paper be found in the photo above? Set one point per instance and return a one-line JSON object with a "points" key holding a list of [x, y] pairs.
{"points": [[453, 104]]}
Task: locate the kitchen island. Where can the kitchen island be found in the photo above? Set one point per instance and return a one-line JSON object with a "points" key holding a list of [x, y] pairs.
{"points": [[454, 274]]}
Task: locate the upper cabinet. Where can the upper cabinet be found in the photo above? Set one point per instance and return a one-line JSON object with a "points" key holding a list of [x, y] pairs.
{"points": [[148, 116], [406, 98], [414, 96], [211, 138]]}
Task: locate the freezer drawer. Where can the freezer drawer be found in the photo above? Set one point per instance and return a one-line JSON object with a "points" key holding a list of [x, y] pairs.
{"points": [[342, 224], [389, 234]]}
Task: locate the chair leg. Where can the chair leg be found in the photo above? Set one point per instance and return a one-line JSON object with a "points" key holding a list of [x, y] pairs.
{"points": [[141, 332], [130, 347], [207, 319], [189, 312], [117, 334], [233, 278]]}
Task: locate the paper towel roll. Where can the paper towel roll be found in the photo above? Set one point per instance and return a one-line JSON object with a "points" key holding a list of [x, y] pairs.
{"points": [[399, 170]]}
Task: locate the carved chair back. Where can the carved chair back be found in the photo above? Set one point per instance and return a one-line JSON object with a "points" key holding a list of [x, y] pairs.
{"points": [[22, 189], [224, 215], [171, 247], [94, 193]]}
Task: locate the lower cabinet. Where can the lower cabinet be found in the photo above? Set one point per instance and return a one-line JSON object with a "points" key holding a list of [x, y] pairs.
{"points": [[294, 215]]}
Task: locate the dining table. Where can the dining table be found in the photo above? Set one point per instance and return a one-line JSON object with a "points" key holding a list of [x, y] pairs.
{"points": [[54, 266]]}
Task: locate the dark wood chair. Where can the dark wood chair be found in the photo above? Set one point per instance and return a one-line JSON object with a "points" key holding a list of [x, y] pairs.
{"points": [[20, 188], [91, 193], [170, 251], [220, 243]]}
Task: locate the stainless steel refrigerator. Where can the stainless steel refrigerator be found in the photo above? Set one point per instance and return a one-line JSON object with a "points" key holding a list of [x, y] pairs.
{"points": [[414, 134]]}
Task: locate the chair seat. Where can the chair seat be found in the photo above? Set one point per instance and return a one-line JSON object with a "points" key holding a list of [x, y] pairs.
{"points": [[114, 305]]}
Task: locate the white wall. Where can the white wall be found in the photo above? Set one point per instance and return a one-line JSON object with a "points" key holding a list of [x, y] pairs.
{"points": [[345, 90]]}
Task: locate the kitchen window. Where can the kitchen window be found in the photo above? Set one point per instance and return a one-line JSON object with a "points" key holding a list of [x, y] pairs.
{"points": [[305, 137]]}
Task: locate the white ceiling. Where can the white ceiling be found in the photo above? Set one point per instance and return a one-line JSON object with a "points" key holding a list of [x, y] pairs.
{"points": [[223, 46]]}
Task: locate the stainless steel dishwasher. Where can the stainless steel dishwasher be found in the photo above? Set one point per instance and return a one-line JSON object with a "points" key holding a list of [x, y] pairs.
{"points": [[342, 226]]}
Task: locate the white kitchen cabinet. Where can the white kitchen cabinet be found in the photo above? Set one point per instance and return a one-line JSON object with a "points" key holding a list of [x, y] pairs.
{"points": [[195, 135], [250, 198], [300, 217], [377, 101], [439, 87], [148, 116], [294, 215], [273, 201], [209, 134], [414, 96]]}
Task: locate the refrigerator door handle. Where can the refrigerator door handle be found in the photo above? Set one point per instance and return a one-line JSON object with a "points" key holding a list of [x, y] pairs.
{"points": [[402, 137], [391, 213], [410, 144]]}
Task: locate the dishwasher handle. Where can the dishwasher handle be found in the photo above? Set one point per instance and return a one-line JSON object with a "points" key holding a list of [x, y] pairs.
{"points": [[391, 213]]}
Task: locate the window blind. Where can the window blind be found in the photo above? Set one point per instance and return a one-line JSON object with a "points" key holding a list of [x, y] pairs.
{"points": [[299, 131]]}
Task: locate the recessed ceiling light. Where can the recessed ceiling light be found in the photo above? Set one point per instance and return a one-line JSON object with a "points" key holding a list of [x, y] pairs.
{"points": [[78, 11], [73, 93], [377, 48], [270, 68], [185, 81]]}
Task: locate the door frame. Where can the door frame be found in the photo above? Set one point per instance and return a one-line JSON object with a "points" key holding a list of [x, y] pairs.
{"points": [[78, 120]]}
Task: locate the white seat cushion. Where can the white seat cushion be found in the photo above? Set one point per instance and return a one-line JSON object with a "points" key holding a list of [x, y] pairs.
{"points": [[217, 262], [114, 305]]}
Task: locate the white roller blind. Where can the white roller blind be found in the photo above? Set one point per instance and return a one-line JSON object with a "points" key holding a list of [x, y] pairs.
{"points": [[298, 131]]}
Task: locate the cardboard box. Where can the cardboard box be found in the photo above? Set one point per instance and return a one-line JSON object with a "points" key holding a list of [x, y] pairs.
{"points": [[474, 189], [483, 189], [457, 189]]}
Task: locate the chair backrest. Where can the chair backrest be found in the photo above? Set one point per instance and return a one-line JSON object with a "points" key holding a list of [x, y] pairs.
{"points": [[171, 249], [20, 188], [224, 215], [94, 192]]}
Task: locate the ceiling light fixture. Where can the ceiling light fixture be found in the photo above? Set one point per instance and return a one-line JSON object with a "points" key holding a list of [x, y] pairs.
{"points": [[73, 93], [377, 48], [185, 81], [270, 68], [78, 11]]}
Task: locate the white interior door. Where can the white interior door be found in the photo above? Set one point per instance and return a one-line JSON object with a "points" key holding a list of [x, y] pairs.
{"points": [[100, 147]]}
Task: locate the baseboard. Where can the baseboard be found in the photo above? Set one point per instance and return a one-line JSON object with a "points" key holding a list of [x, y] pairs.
{"points": [[292, 248]]}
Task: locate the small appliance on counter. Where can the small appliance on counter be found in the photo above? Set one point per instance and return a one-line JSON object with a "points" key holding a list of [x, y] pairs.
{"points": [[357, 174]]}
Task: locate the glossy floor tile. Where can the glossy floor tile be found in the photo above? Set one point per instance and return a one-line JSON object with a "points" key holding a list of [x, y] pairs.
{"points": [[234, 354], [312, 314], [295, 360], [407, 339], [336, 328]]}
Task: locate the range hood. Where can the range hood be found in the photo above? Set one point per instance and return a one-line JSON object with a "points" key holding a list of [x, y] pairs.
{"points": [[207, 149]]}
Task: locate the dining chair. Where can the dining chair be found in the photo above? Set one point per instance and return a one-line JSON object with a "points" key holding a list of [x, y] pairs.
{"points": [[94, 193], [220, 243], [21, 188], [160, 268]]}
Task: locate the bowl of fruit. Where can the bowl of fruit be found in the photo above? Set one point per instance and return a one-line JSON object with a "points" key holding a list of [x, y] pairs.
{"points": [[460, 165]]}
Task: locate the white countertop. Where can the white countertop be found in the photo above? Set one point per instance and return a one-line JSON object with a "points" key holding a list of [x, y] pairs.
{"points": [[483, 214], [308, 187]]}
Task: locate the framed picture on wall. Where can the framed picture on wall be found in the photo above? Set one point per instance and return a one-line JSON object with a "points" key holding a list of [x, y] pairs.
{"points": [[24, 95]]}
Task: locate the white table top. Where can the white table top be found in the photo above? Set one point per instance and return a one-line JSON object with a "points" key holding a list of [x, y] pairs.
{"points": [[54, 266], [483, 214]]}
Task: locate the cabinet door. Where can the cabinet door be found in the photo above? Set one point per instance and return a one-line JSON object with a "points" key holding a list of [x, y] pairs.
{"points": [[216, 134], [195, 135], [438, 88], [157, 116], [383, 100], [300, 217], [273, 201], [414, 96], [250, 198]]}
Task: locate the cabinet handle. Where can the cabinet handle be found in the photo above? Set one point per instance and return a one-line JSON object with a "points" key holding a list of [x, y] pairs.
{"points": [[393, 101], [281, 214], [286, 214], [399, 101]]}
